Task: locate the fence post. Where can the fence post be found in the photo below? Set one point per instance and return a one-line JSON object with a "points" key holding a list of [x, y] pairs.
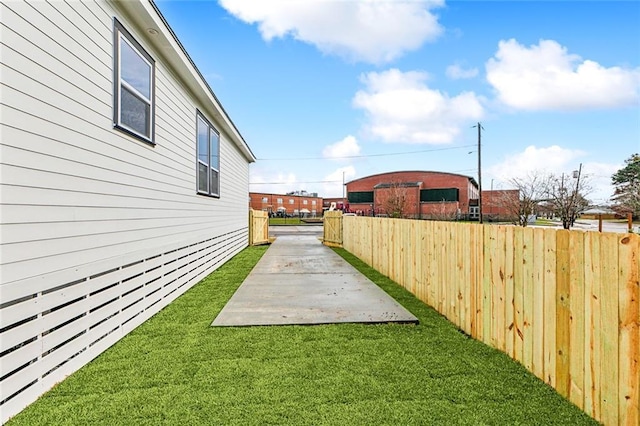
{"points": [[251, 227]]}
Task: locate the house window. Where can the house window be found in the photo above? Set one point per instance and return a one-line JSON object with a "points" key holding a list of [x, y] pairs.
{"points": [[265, 199], [290, 200], [134, 89], [313, 203], [304, 202], [279, 200], [208, 145]]}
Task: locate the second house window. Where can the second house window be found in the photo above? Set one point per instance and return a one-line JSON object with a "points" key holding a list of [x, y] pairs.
{"points": [[208, 146]]}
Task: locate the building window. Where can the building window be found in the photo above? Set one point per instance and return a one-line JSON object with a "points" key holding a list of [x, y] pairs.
{"points": [[474, 212], [279, 200], [360, 197], [208, 146], [265, 199], [134, 89], [313, 202], [439, 195], [290, 200], [304, 202]]}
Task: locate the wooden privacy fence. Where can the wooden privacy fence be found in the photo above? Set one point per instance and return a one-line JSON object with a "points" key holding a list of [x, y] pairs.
{"points": [[258, 227], [565, 304], [332, 229]]}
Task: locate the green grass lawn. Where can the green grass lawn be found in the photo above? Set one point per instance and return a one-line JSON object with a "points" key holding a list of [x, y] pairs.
{"points": [[285, 221], [546, 222], [176, 369]]}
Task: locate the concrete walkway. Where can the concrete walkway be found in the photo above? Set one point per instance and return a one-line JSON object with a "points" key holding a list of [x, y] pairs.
{"points": [[301, 281]]}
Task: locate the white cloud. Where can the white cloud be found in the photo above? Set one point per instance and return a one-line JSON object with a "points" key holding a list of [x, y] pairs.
{"points": [[456, 72], [347, 147], [552, 160], [402, 108], [374, 31], [599, 178], [271, 182], [547, 77], [333, 186]]}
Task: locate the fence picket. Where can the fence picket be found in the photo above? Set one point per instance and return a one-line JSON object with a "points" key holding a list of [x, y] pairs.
{"points": [[549, 326], [538, 303], [563, 313], [577, 317], [609, 322], [473, 281], [594, 353], [465, 303], [486, 285], [629, 337], [509, 292]]}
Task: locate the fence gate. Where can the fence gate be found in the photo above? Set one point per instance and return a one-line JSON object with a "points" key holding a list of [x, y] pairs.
{"points": [[258, 227], [332, 235]]}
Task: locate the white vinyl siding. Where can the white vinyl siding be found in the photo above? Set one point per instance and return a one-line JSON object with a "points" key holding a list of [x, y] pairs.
{"points": [[85, 208]]}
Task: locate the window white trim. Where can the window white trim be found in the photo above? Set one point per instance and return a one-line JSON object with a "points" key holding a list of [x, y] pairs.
{"points": [[212, 171], [121, 35]]}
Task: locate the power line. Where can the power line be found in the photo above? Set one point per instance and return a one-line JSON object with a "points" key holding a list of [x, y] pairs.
{"points": [[293, 183], [368, 155], [329, 181]]}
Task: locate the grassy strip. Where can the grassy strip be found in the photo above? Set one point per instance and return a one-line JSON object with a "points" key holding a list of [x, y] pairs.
{"points": [[546, 222], [176, 369], [285, 221]]}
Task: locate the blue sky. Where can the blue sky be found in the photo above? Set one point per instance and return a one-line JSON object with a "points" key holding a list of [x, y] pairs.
{"points": [[322, 89]]}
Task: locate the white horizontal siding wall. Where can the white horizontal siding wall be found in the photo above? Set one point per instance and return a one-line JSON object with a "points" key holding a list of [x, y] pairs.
{"points": [[98, 231]]}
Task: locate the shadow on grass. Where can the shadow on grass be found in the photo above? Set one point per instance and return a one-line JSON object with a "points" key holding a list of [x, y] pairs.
{"points": [[176, 369]]}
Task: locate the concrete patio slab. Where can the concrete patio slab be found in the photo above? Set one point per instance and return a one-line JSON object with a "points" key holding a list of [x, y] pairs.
{"points": [[300, 281]]}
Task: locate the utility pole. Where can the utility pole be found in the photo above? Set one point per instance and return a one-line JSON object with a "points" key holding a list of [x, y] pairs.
{"points": [[343, 189], [574, 201], [479, 126]]}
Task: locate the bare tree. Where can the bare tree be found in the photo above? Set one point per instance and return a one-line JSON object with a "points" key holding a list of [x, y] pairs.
{"points": [[444, 212], [396, 203], [567, 193], [531, 190]]}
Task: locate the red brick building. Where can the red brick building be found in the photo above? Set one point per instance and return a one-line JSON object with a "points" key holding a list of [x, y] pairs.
{"points": [[500, 204], [414, 194], [297, 204]]}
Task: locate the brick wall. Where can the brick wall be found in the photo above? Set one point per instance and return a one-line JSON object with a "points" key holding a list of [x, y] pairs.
{"points": [[496, 203], [292, 203]]}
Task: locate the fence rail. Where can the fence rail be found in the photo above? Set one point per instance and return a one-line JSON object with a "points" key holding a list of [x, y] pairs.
{"points": [[565, 304]]}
